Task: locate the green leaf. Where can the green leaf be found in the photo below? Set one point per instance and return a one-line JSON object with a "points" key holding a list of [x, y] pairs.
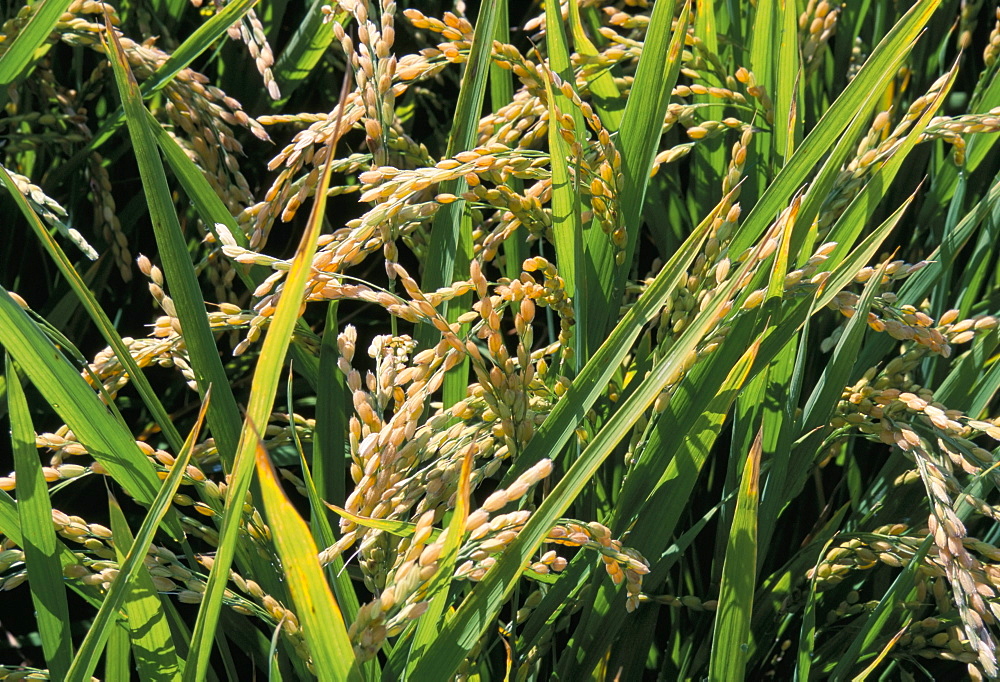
{"points": [[151, 641], [448, 241], [774, 58], [451, 248], [658, 490], [486, 599], [23, 50], [777, 420], [267, 375], [210, 207], [607, 99], [90, 304], [552, 435], [736, 594], [708, 157], [41, 548], [97, 636], [223, 415], [821, 403], [76, 403], [213, 212], [321, 619], [430, 623], [917, 286], [889, 53], [501, 93], [118, 654], [567, 227], [655, 77], [305, 49]]}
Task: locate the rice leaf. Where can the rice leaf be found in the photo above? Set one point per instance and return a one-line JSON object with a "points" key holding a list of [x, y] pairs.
{"points": [[663, 480], [501, 93], [838, 372], [223, 416], [736, 594], [451, 249], [645, 110], [436, 616], [41, 548], [25, 46], [151, 641], [267, 374], [567, 228], [607, 98], [321, 619], [896, 44], [118, 654], [708, 159], [76, 403], [90, 304], [553, 433], [304, 50], [90, 649], [214, 212], [447, 239]]}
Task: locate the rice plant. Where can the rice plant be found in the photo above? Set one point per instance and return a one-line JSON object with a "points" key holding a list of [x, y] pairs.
{"points": [[584, 340]]}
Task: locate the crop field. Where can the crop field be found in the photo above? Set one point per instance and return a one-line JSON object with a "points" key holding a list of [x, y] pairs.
{"points": [[500, 340]]}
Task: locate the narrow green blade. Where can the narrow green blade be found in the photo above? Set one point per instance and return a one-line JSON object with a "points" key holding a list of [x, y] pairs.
{"points": [[89, 303], [93, 644], [896, 44], [429, 625], [321, 619], [267, 375], [642, 123], [739, 573], [151, 641], [31, 37], [76, 403], [304, 50], [41, 548], [223, 416]]}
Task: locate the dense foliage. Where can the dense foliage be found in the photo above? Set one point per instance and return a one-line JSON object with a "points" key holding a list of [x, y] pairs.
{"points": [[676, 325]]}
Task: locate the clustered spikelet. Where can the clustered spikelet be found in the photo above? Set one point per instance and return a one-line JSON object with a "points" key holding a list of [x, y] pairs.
{"points": [[106, 215], [817, 24], [894, 546], [374, 69], [51, 212], [457, 32], [880, 143], [251, 32], [859, 54], [886, 406], [993, 47], [967, 22], [63, 126], [202, 110], [951, 129]]}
